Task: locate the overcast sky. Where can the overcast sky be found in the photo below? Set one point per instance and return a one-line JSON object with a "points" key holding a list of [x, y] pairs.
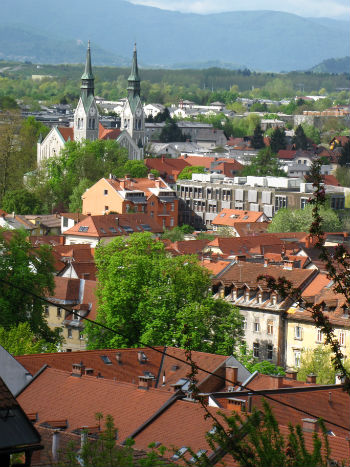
{"points": [[313, 8]]}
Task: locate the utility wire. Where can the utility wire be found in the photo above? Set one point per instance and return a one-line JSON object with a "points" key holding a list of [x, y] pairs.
{"points": [[96, 323]]}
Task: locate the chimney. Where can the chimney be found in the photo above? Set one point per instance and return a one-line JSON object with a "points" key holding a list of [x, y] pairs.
{"points": [[231, 375], [150, 176], [287, 264], [89, 371], [310, 425], [157, 183], [118, 357], [276, 381], [55, 444], [145, 382], [122, 184], [311, 378], [266, 262], [117, 220], [78, 369], [291, 374]]}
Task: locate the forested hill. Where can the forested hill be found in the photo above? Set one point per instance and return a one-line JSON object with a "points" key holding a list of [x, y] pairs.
{"points": [[258, 40], [333, 65]]}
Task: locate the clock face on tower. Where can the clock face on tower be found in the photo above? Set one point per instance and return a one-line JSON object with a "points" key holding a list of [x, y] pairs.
{"points": [[92, 111], [138, 112]]}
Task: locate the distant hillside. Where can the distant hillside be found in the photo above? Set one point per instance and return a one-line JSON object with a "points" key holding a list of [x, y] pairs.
{"points": [[21, 44], [259, 40], [333, 65]]}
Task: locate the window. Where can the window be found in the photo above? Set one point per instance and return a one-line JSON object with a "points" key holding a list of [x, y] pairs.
{"points": [[81, 335], [256, 349], [105, 192], [319, 336], [172, 208], [297, 355], [303, 202], [244, 324], [274, 300], [106, 360], [280, 202], [83, 228], [69, 332], [179, 453], [270, 327], [198, 455], [65, 222], [298, 333], [341, 338], [59, 312], [256, 326], [269, 351], [106, 208], [46, 310], [171, 222], [152, 214]]}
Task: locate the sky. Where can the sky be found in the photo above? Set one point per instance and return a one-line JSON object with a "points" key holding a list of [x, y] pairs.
{"points": [[338, 9]]}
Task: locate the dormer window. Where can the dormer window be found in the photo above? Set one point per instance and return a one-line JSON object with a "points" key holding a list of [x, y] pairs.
{"points": [[274, 300], [234, 294]]}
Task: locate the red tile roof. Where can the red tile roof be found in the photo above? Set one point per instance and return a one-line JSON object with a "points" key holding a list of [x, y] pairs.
{"points": [[57, 395], [168, 168], [190, 247], [108, 226], [330, 180], [228, 168], [286, 154], [67, 133], [215, 267], [108, 133], [201, 161], [230, 216], [245, 229], [66, 289], [243, 245]]}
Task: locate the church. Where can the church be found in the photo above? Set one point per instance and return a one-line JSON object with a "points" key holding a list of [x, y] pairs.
{"points": [[87, 126]]}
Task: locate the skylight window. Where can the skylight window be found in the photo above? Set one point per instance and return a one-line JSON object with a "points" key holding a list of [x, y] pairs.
{"points": [[112, 229], [200, 453], [83, 228], [127, 228], [102, 230], [179, 453], [146, 227], [106, 360]]}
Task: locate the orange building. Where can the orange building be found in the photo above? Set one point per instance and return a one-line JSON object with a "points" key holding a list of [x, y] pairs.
{"points": [[151, 195]]}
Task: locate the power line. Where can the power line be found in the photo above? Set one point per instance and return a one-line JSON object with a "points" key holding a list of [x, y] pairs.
{"points": [[96, 323]]}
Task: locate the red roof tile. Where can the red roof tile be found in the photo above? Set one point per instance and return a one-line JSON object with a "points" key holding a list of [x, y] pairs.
{"points": [[67, 133], [230, 216]]}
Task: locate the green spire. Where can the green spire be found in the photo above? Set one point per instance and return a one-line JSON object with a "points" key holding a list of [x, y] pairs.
{"points": [[88, 70], [134, 78]]}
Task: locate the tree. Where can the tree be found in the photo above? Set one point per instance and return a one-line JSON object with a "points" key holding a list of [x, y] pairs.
{"points": [[162, 116], [21, 201], [20, 340], [135, 169], [258, 138], [177, 233], [32, 270], [300, 220], [312, 133], [264, 163], [9, 150], [299, 139], [266, 368], [171, 133], [155, 299], [186, 173], [344, 159], [343, 176], [278, 140]]}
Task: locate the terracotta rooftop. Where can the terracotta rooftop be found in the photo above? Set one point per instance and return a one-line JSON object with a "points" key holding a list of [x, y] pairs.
{"points": [[215, 267], [141, 184], [188, 247], [286, 154], [230, 216], [114, 225], [108, 133], [67, 133], [66, 289], [202, 161], [243, 245]]}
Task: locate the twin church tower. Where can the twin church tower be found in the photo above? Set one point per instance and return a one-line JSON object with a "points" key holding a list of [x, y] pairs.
{"points": [[87, 124]]}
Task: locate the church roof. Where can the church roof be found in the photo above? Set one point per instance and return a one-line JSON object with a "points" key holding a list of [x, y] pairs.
{"points": [[134, 74], [66, 133], [88, 69], [108, 133]]}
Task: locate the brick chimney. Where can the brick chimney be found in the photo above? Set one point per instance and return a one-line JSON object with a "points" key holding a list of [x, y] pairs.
{"points": [[310, 425], [311, 378], [157, 183], [145, 382], [266, 262], [291, 374], [78, 369], [142, 357], [231, 374], [276, 382], [122, 184]]}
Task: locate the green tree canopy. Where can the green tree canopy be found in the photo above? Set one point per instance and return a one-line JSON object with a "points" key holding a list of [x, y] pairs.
{"points": [[20, 340], [21, 201], [264, 163], [75, 201], [300, 220], [171, 133], [258, 138], [31, 269], [299, 138], [278, 140], [186, 173], [135, 169], [344, 159], [160, 300]]}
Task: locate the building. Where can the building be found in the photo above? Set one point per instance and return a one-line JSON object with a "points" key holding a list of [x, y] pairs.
{"points": [[203, 197], [263, 310], [87, 124], [151, 196], [103, 228], [229, 217]]}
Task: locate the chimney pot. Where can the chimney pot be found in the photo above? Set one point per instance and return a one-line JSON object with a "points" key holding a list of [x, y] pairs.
{"points": [[78, 369], [291, 374], [277, 381], [311, 378], [145, 382]]}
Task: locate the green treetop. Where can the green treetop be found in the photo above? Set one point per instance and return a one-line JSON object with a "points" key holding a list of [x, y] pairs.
{"points": [[299, 138], [160, 300], [278, 140], [186, 173], [264, 163], [258, 138]]}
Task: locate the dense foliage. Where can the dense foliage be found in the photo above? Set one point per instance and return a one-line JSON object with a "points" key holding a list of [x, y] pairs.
{"points": [[264, 163], [20, 340], [32, 270], [155, 299]]}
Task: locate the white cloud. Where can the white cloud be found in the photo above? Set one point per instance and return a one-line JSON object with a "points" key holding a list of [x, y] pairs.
{"points": [[312, 8]]}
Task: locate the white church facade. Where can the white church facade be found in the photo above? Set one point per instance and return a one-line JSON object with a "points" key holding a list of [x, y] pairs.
{"points": [[86, 124]]}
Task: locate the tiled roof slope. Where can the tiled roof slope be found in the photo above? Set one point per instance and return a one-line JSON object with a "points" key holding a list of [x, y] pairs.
{"points": [[66, 289], [67, 133], [57, 395], [130, 367], [243, 245], [245, 229], [190, 247], [231, 216], [94, 224], [142, 184]]}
